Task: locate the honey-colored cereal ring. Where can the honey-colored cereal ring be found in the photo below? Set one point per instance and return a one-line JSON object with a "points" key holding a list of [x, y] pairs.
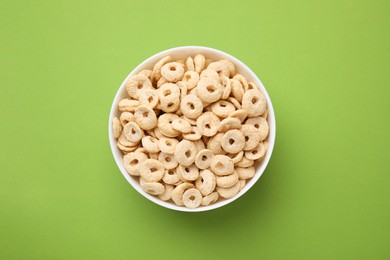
{"points": [[149, 98], [228, 193], [188, 173], [254, 102], [257, 152], [181, 125], [161, 82], [150, 144], [199, 145], [209, 90], [252, 136], [242, 80], [168, 160], [227, 87], [172, 71], [210, 199], [177, 192], [230, 66], [171, 176], [222, 108], [167, 195], [192, 198], [246, 173], [236, 157], [234, 102], [237, 89], [132, 161], [183, 89], [185, 152], [189, 120], [153, 188], [124, 142], [164, 124], [145, 117], [116, 127], [191, 79], [240, 114], [146, 73], [199, 62], [214, 144], [133, 132], [191, 106], [212, 74], [170, 103], [167, 90], [128, 105], [194, 135], [126, 149], [245, 162], [136, 84], [190, 66], [206, 182], [229, 123], [220, 68], [233, 141], [156, 75], [222, 165], [151, 170], [203, 159], [208, 124], [126, 117], [227, 181], [142, 150], [260, 124], [167, 145]]}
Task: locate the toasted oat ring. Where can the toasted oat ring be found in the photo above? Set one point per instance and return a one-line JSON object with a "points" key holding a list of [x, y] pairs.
{"points": [[132, 161], [188, 173], [164, 124], [230, 66], [228, 193], [116, 127], [257, 152], [128, 105], [220, 68], [194, 135], [208, 124], [191, 79], [252, 136], [191, 106], [237, 89], [242, 183], [167, 90], [156, 74], [227, 181], [210, 74], [190, 64], [246, 173], [222, 108], [136, 84], [161, 82], [145, 117], [150, 144], [236, 157], [235, 102], [245, 162], [154, 188], [233, 141], [192, 198], [242, 80], [214, 144], [151, 170], [149, 98], [183, 89], [229, 123], [177, 192], [254, 102], [126, 149], [171, 176], [227, 87], [170, 103], [172, 71], [240, 114], [199, 145], [209, 90], [167, 195], [168, 160], [126, 117], [167, 145], [203, 159], [181, 125], [189, 120], [222, 165], [124, 142], [199, 62], [146, 73], [209, 199], [260, 124], [133, 132], [185, 152], [206, 182]]}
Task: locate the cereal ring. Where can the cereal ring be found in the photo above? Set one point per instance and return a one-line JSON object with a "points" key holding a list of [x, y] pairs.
{"points": [[132, 162], [233, 141], [188, 173], [265, 114], [237, 89], [149, 98], [136, 84], [199, 62], [146, 73], [150, 144], [181, 125], [124, 142], [191, 106], [170, 104], [210, 74], [185, 152], [221, 165], [209, 199], [194, 91], [154, 188], [190, 64], [167, 145], [164, 124], [220, 68], [189, 120], [194, 135], [228, 193], [242, 184], [236, 157], [245, 162], [191, 79], [116, 127], [229, 123], [208, 124], [192, 198], [240, 114], [227, 181], [126, 149], [242, 80], [222, 108], [128, 105], [177, 192], [203, 159], [172, 71], [199, 145], [260, 124], [168, 160], [156, 74], [230, 66], [209, 90], [133, 132], [145, 117], [183, 89], [167, 90], [171, 176], [151, 170], [158, 133], [254, 102], [206, 182], [257, 152], [141, 150], [246, 173], [161, 82], [227, 87], [234, 102], [167, 193], [251, 135], [215, 144], [126, 117]]}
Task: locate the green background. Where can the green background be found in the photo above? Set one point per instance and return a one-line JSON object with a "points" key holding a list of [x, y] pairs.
{"points": [[324, 195]]}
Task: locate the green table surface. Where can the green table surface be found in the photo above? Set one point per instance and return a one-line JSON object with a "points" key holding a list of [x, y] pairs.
{"points": [[324, 195]]}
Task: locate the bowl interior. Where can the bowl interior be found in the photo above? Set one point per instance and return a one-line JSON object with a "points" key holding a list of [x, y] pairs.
{"points": [[183, 52]]}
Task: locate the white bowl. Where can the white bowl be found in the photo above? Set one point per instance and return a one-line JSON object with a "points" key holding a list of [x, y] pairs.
{"points": [[182, 52]]}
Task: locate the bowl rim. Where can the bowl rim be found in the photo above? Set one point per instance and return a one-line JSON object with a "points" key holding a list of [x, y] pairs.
{"points": [[259, 169]]}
